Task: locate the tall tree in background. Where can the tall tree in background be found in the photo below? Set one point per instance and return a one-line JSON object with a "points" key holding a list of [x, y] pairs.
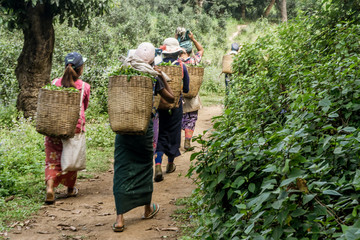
{"points": [[269, 7], [36, 18], [282, 7]]}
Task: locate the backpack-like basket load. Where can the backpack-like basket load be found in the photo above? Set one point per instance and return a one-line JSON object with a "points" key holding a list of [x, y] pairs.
{"points": [[196, 75], [130, 104], [57, 113], [175, 74], [226, 64]]}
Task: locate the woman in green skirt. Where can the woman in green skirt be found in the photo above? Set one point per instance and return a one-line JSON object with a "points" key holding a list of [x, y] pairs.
{"points": [[133, 166]]}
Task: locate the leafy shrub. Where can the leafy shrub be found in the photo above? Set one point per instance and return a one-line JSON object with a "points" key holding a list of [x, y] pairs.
{"points": [[283, 160], [10, 48]]}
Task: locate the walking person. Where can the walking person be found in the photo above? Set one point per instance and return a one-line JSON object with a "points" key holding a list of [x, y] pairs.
{"points": [[170, 121], [234, 50], [133, 165], [74, 67], [191, 105]]}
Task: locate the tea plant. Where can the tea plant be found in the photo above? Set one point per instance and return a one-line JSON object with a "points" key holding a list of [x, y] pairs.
{"points": [[283, 160]]}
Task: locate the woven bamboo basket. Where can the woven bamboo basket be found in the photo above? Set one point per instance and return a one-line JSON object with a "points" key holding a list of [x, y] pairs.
{"points": [[57, 113], [196, 75], [226, 64], [130, 104], [175, 74]]}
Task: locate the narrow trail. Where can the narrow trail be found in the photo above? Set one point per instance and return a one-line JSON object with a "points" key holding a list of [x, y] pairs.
{"points": [[239, 29], [91, 214]]}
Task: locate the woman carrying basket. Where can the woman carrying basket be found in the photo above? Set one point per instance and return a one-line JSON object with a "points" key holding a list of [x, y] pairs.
{"points": [[133, 166], [170, 121], [74, 66], [191, 105]]}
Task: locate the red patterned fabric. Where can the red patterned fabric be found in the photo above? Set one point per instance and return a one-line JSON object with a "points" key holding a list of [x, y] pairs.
{"points": [[53, 149]]}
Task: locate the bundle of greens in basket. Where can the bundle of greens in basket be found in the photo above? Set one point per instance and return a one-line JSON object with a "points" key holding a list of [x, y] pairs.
{"points": [[129, 71], [57, 88]]}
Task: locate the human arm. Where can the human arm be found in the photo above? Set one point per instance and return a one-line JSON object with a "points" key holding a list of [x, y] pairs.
{"points": [[196, 43]]}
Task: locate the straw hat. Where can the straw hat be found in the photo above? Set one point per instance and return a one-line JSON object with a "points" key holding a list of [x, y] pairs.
{"points": [[171, 45]]}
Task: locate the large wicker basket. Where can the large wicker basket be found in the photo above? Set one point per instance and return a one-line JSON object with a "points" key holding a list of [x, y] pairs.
{"points": [[175, 74], [130, 104], [226, 64], [57, 113], [196, 75]]}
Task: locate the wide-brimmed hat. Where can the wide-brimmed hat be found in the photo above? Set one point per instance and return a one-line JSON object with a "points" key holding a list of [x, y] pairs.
{"points": [[171, 45], [75, 59], [146, 52]]}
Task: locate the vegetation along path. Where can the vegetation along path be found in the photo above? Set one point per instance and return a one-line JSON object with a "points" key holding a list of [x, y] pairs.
{"points": [[91, 214]]}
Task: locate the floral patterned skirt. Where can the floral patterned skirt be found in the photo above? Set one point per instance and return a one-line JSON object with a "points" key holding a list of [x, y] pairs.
{"points": [[53, 149]]}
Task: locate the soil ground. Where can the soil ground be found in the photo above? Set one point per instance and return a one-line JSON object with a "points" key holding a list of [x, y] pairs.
{"points": [[91, 214]]}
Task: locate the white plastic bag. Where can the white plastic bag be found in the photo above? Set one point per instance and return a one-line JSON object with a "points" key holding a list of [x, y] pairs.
{"points": [[73, 156]]}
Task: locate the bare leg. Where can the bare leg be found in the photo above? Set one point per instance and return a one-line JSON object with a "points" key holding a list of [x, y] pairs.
{"points": [[119, 220], [50, 194], [148, 210]]}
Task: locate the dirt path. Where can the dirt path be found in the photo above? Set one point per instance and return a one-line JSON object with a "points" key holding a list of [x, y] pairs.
{"points": [[91, 214], [239, 29]]}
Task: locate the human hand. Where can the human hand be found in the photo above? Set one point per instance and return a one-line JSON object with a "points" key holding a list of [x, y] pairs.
{"points": [[191, 36], [156, 68]]}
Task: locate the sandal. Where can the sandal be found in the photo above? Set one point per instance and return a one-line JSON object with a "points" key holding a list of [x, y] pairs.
{"points": [[156, 209], [74, 193], [67, 195], [118, 229], [50, 198]]}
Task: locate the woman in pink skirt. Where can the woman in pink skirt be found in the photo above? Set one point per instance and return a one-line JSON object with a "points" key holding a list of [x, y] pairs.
{"points": [[74, 66]]}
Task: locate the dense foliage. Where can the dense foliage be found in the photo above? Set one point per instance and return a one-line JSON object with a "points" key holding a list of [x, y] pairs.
{"points": [[283, 160], [76, 13], [126, 25]]}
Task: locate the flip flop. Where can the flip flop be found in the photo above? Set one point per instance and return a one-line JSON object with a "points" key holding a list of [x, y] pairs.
{"points": [[156, 209], [66, 195], [118, 229], [50, 198], [73, 194]]}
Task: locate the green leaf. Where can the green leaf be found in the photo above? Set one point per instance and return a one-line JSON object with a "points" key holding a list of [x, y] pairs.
{"points": [[307, 198], [241, 206], [277, 204], [287, 181], [221, 176], [331, 192], [252, 187], [295, 149], [277, 232], [338, 150], [298, 212], [349, 129], [333, 115], [270, 168], [326, 141], [249, 228], [325, 103], [261, 141]]}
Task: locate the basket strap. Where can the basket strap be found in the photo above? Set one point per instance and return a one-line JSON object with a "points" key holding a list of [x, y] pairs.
{"points": [[56, 81], [81, 97]]}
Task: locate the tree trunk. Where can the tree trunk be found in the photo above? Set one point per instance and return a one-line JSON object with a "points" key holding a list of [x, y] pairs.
{"points": [[268, 9], [34, 63], [283, 10], [243, 10]]}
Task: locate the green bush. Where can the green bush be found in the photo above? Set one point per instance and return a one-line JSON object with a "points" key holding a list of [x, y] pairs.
{"points": [[283, 160]]}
